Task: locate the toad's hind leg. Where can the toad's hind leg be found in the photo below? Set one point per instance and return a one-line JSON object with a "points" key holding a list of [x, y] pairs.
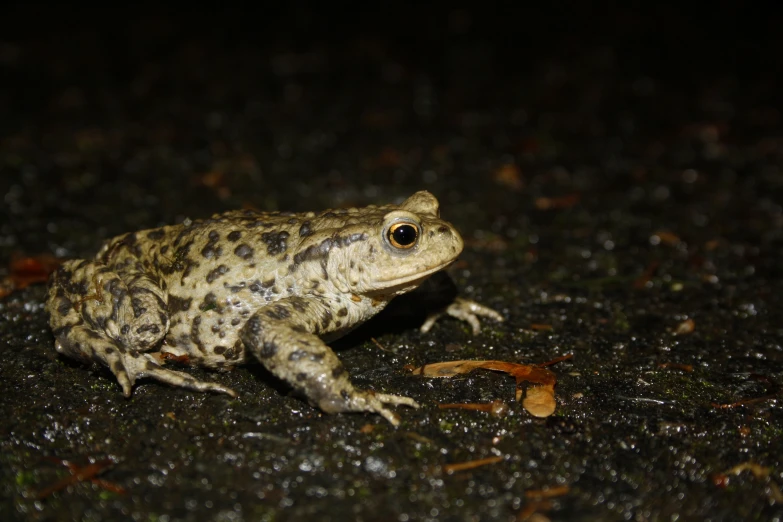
{"points": [[113, 318]]}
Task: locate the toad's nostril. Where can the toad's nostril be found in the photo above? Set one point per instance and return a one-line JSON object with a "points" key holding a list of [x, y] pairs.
{"points": [[443, 229]]}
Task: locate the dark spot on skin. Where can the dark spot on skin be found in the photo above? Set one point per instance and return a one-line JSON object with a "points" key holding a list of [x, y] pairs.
{"points": [[125, 329], [156, 235], [301, 377], [278, 313], [209, 303], [244, 251], [297, 355], [298, 305], [235, 321], [234, 235], [276, 242], [305, 229], [152, 328], [210, 250], [216, 273], [178, 304], [329, 214], [298, 328], [164, 249], [194, 334], [320, 252], [108, 351], [117, 368], [344, 394], [138, 309], [92, 334], [63, 331], [219, 350], [342, 312], [293, 221], [115, 287], [326, 320], [64, 307], [338, 371], [180, 260], [269, 349], [235, 288]]}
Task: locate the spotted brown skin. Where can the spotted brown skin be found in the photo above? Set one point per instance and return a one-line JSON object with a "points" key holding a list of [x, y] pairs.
{"points": [[271, 284]]}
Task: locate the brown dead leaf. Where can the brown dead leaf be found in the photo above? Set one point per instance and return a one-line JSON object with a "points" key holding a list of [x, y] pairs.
{"points": [[677, 366], [540, 399], [82, 474], [541, 327], [509, 176], [666, 237], [24, 271], [759, 472], [566, 201], [649, 272], [686, 327]]}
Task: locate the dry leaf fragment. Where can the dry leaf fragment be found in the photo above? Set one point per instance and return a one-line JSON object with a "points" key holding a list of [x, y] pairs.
{"points": [[685, 327], [566, 201], [540, 400], [81, 474], [677, 366], [509, 176], [665, 237], [24, 271]]}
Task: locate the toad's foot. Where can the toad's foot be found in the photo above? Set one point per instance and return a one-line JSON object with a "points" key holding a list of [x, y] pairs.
{"points": [[129, 367], [358, 401], [464, 310]]}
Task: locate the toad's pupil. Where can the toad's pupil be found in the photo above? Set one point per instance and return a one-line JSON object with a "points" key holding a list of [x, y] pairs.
{"points": [[404, 234]]}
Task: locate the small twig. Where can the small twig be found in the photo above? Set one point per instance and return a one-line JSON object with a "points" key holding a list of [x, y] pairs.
{"points": [[379, 345], [471, 464]]}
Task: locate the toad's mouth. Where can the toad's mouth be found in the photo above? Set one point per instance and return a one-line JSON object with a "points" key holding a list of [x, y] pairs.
{"points": [[412, 279]]}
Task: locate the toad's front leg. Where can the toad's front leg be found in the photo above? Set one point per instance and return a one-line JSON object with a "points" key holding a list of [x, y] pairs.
{"points": [[283, 337]]}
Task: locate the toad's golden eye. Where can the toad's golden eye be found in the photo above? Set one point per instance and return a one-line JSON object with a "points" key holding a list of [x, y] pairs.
{"points": [[403, 235]]}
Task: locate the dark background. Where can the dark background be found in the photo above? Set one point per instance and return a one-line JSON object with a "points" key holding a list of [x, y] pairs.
{"points": [[615, 171]]}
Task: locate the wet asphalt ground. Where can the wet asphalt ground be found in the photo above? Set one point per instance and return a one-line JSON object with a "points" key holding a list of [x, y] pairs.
{"points": [[616, 175]]}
